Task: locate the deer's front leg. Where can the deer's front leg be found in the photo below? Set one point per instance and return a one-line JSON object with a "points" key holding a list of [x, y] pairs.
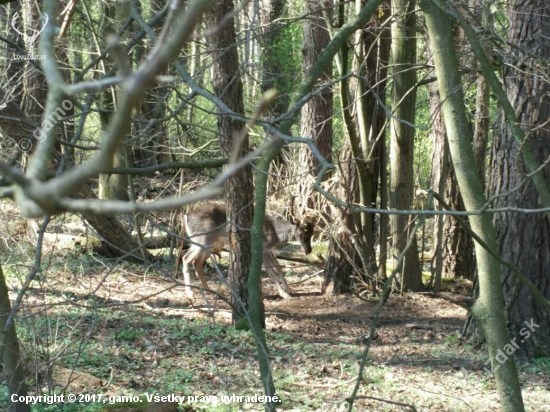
{"points": [[275, 273]]}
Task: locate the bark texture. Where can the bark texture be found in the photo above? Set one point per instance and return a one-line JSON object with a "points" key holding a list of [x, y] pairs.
{"points": [[402, 137], [317, 112], [343, 261], [524, 239], [227, 84], [274, 77], [489, 308], [112, 186], [371, 62], [352, 244]]}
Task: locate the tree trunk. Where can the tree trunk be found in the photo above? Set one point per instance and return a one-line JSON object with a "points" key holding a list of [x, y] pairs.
{"points": [[364, 148], [271, 12], [440, 170], [481, 121], [116, 241], [458, 245], [14, 371], [402, 137], [371, 62], [455, 248], [379, 132], [228, 87], [154, 147], [112, 186], [262, 167], [343, 262], [317, 112], [489, 308], [524, 239]]}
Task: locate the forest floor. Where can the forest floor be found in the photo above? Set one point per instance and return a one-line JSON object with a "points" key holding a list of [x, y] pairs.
{"points": [[114, 330]]}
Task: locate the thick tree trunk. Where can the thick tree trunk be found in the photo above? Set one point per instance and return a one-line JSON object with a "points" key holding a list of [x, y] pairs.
{"points": [[317, 112], [524, 239], [489, 308], [402, 136], [228, 87], [271, 12]]}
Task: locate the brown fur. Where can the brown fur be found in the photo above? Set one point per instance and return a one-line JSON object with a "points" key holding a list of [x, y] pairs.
{"points": [[206, 227]]}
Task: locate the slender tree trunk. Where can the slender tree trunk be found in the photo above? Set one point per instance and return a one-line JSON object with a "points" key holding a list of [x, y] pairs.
{"points": [[481, 121], [489, 308], [455, 248], [154, 147], [440, 170], [371, 62], [112, 186], [14, 372], [402, 136], [227, 84], [263, 164], [348, 257], [458, 245], [383, 62]]}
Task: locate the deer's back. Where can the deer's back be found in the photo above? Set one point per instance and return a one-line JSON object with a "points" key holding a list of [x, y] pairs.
{"points": [[208, 222]]}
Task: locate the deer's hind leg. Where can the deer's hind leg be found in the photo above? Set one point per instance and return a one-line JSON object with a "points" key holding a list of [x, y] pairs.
{"points": [[195, 256]]}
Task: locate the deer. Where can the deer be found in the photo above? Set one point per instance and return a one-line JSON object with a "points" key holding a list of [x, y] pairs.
{"points": [[206, 227]]}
